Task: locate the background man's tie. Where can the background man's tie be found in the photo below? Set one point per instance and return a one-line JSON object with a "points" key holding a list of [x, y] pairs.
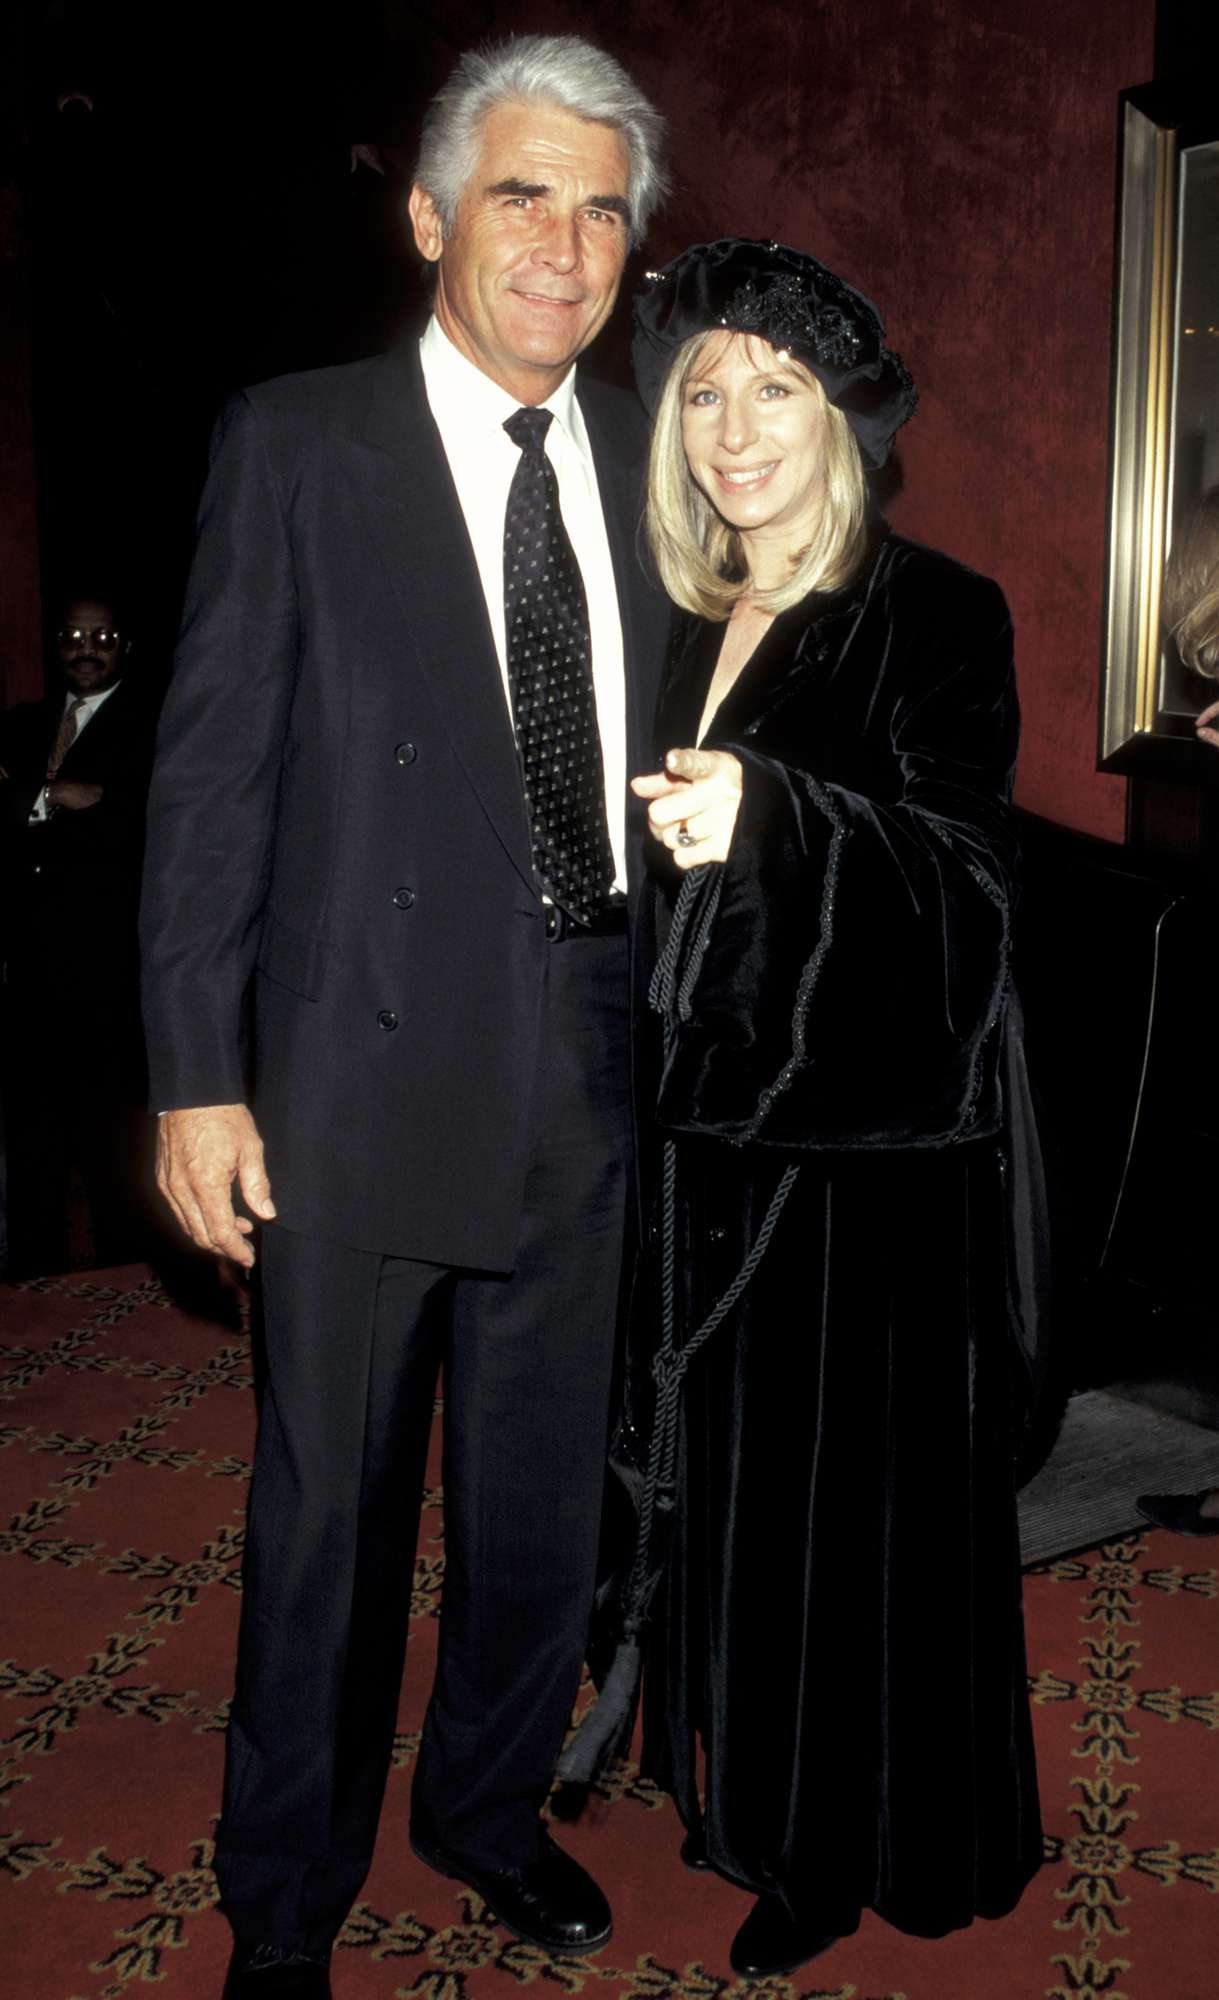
{"points": [[551, 681], [65, 735]]}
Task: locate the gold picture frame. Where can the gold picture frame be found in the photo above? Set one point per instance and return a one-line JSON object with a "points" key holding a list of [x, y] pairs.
{"points": [[1164, 445]]}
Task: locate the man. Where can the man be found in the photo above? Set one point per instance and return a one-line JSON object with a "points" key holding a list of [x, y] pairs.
{"points": [[73, 782], [403, 565]]}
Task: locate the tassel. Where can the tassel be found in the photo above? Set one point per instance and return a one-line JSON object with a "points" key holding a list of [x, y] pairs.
{"points": [[594, 1739]]}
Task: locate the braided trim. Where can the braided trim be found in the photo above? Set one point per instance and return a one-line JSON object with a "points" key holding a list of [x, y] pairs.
{"points": [[1003, 980], [800, 1058]]}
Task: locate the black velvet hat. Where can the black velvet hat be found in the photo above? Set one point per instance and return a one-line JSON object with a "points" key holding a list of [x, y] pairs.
{"points": [[792, 301]]}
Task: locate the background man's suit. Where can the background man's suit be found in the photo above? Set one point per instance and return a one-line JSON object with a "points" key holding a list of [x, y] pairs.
{"points": [[337, 814], [73, 1072]]}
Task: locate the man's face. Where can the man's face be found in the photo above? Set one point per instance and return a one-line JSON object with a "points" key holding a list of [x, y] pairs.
{"points": [[530, 273], [91, 647]]}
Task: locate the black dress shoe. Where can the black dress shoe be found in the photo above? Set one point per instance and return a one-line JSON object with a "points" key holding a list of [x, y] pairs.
{"points": [[771, 1942], [1181, 1512], [694, 1852], [276, 1972], [551, 1902]]}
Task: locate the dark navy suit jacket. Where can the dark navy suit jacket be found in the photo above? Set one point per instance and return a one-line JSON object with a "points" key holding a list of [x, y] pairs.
{"points": [[337, 816]]}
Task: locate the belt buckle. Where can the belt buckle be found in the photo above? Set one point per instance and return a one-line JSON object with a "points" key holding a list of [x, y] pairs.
{"points": [[556, 922]]}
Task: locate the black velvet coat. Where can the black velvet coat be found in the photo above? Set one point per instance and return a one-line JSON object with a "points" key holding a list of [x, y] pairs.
{"points": [[840, 1619]]}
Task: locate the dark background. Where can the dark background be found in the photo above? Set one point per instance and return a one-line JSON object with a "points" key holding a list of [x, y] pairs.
{"points": [[201, 227]]}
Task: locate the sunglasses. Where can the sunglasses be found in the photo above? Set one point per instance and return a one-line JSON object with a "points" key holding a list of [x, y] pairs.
{"points": [[104, 637]]}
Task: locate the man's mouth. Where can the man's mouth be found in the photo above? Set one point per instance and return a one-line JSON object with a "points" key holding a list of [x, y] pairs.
{"points": [[544, 298]]}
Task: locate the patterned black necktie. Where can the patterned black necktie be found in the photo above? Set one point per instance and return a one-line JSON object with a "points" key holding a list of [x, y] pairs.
{"points": [[550, 677]]}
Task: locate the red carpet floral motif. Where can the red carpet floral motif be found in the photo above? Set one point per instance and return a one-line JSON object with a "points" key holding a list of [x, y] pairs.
{"points": [[125, 1427]]}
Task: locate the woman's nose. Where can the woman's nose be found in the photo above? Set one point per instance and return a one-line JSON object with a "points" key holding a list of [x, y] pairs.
{"points": [[738, 424]]}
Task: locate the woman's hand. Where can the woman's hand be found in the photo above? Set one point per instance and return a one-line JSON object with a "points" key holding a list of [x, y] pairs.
{"points": [[694, 804], [1210, 714]]}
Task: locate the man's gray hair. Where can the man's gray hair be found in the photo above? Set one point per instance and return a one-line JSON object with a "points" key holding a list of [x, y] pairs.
{"points": [[560, 70]]}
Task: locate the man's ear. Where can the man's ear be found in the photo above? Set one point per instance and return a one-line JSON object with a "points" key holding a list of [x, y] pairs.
{"points": [[426, 223]]}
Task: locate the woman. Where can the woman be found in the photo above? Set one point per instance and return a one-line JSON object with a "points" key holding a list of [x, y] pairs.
{"points": [[1191, 614], [839, 1620], [1191, 601]]}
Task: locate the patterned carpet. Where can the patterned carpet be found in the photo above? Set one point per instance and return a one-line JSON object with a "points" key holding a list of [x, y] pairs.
{"points": [[126, 1433]]}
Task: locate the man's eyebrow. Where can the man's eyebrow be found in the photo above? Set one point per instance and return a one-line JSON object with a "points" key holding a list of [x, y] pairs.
{"points": [[519, 187], [614, 204]]}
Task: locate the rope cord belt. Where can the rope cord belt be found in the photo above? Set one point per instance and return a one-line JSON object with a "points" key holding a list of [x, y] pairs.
{"points": [[670, 995]]}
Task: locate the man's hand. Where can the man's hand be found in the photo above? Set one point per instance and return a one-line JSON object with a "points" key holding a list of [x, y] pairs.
{"points": [[76, 797], [694, 804], [200, 1153], [1208, 715]]}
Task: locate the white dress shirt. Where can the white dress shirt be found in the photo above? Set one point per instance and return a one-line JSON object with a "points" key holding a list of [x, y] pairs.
{"points": [[84, 714], [470, 410]]}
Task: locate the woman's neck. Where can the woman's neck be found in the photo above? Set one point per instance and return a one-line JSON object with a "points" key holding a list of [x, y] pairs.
{"points": [[772, 555]]}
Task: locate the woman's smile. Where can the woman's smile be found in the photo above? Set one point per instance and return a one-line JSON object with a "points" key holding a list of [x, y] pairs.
{"points": [[746, 476]]}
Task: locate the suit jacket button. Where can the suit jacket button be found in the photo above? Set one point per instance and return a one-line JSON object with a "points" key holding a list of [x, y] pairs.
{"points": [[406, 753], [387, 1020], [403, 898]]}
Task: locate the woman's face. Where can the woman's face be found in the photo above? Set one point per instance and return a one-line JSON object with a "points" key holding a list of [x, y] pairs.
{"points": [[753, 428]]}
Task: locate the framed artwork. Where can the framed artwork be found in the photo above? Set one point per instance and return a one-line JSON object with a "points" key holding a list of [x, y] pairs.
{"points": [[1164, 451]]}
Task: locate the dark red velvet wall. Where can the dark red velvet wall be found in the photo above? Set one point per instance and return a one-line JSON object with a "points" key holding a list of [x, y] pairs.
{"points": [[955, 158], [956, 161]]}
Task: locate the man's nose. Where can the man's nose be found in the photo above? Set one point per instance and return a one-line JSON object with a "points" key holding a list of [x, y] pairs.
{"points": [[558, 243]]}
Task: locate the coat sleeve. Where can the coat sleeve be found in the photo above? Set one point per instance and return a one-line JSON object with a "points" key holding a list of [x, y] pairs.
{"points": [[211, 810], [855, 970]]}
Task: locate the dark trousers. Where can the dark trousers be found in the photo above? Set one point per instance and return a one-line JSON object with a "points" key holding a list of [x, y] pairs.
{"points": [[71, 1074], [352, 1345]]}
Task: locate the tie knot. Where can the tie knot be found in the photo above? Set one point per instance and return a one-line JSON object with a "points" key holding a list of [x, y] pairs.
{"points": [[528, 427]]}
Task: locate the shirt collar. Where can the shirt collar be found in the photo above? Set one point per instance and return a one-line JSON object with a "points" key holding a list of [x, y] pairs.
{"points": [[90, 701], [483, 404]]}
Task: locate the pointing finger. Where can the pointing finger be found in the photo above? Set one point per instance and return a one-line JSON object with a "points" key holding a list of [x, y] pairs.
{"points": [[690, 763]]}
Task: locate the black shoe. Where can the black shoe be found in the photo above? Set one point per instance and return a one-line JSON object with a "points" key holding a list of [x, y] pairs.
{"points": [[276, 1972], [770, 1942], [694, 1851], [551, 1902], [1181, 1512]]}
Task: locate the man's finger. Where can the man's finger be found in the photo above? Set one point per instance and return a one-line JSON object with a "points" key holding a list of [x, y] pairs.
{"points": [[222, 1231], [173, 1204], [255, 1186]]}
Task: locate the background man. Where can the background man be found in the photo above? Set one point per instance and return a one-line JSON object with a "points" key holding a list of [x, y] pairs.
{"points": [[75, 777], [403, 566]]}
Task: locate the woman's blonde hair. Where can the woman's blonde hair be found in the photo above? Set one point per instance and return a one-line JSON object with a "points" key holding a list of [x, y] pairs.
{"points": [[1191, 588], [701, 559]]}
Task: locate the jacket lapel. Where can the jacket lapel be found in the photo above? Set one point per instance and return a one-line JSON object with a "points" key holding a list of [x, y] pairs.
{"points": [[641, 610], [413, 516]]}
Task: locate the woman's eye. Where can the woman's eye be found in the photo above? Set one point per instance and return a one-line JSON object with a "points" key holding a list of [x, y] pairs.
{"points": [[774, 390], [702, 399]]}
